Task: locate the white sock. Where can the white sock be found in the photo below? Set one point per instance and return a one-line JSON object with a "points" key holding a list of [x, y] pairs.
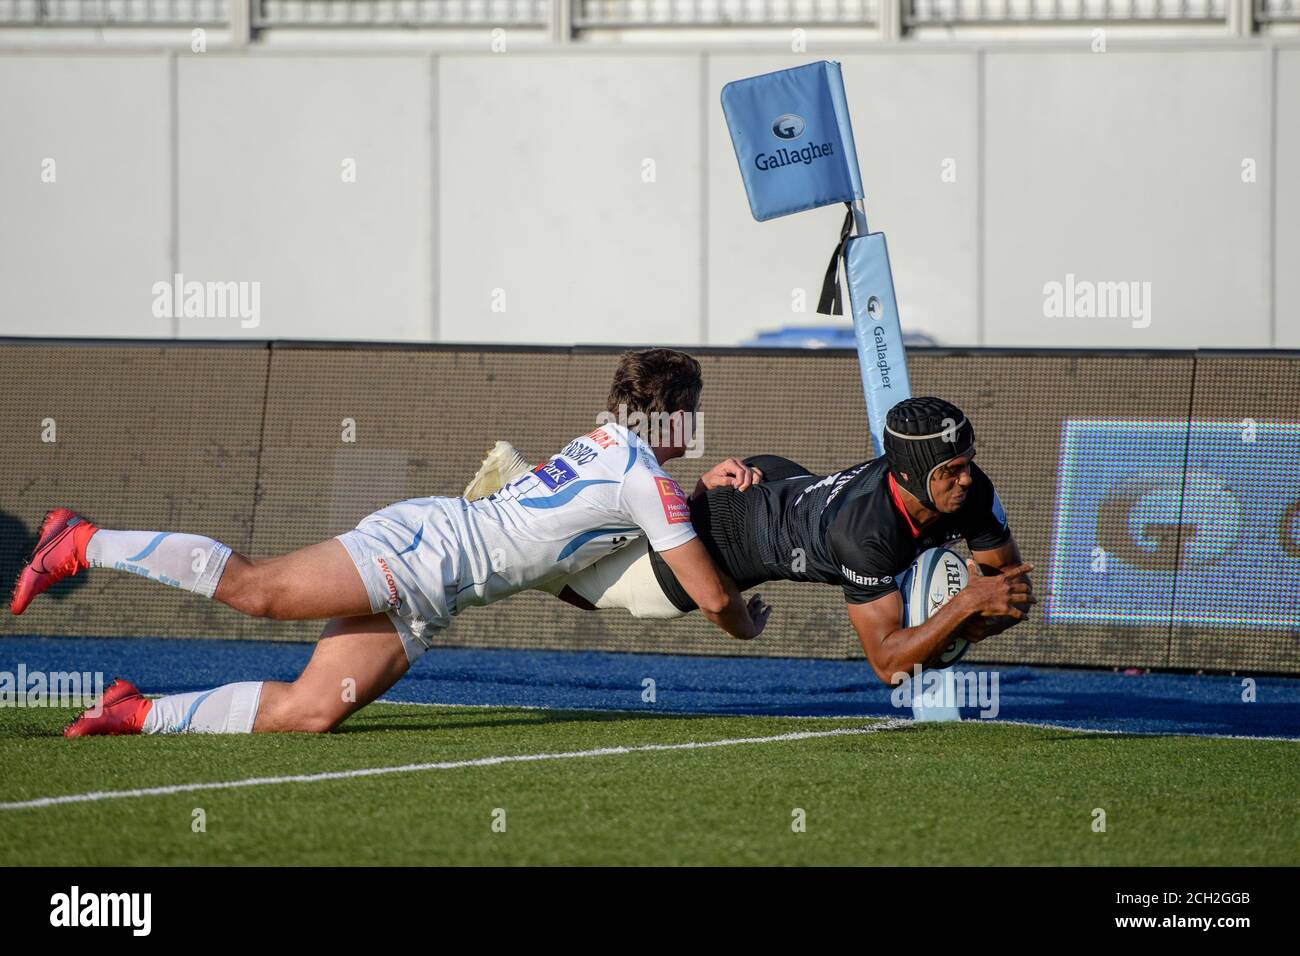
{"points": [[230, 709], [188, 561]]}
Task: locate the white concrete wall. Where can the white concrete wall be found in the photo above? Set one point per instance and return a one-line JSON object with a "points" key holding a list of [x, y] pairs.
{"points": [[78, 254], [263, 143], [1120, 168], [561, 196], [571, 198], [1286, 210]]}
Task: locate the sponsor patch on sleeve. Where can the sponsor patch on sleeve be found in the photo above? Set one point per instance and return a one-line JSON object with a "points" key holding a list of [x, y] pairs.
{"points": [[865, 580], [555, 473], [671, 496]]}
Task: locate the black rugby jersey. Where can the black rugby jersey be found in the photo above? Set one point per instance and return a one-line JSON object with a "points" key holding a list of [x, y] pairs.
{"points": [[834, 529]]}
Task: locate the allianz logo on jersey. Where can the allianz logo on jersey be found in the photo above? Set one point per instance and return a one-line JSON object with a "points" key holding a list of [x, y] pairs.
{"points": [[864, 579]]}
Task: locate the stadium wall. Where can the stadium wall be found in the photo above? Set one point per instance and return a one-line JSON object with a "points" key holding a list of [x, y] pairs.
{"points": [[588, 194], [1157, 493]]}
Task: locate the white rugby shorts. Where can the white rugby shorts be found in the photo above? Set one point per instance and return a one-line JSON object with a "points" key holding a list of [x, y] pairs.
{"points": [[408, 556]]}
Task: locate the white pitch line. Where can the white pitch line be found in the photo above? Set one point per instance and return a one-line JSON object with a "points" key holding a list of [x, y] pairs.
{"points": [[889, 724], [983, 720], [1126, 733]]}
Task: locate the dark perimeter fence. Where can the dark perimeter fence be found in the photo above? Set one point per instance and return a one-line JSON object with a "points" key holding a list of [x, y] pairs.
{"points": [[1158, 493]]}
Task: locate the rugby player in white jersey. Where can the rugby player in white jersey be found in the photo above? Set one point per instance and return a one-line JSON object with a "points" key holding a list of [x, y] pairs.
{"points": [[399, 577]]}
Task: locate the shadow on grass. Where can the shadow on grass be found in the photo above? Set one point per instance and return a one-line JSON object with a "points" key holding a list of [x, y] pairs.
{"points": [[384, 723]]}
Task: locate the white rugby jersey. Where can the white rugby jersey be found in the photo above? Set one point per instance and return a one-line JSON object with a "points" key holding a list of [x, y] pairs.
{"points": [[600, 492]]}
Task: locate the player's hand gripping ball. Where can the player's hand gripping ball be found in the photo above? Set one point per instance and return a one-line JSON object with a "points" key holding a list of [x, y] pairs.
{"points": [[932, 581]]}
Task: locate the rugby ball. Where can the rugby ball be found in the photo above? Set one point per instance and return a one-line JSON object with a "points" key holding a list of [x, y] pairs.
{"points": [[932, 580]]}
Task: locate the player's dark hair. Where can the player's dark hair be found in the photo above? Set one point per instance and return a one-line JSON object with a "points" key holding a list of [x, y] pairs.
{"points": [[656, 380]]}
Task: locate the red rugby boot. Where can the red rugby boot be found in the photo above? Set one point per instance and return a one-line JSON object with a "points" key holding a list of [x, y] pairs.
{"points": [[122, 710], [60, 552]]}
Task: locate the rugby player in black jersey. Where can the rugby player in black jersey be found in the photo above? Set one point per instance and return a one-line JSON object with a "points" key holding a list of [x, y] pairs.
{"points": [[766, 519]]}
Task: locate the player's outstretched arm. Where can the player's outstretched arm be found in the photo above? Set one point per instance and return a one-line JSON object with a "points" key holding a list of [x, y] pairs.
{"points": [[714, 592], [893, 650]]}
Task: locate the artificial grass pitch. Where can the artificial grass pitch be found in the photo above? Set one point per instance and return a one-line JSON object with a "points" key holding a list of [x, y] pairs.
{"points": [[972, 793]]}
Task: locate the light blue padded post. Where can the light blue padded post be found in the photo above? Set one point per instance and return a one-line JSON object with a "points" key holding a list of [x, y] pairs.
{"points": [[881, 357]]}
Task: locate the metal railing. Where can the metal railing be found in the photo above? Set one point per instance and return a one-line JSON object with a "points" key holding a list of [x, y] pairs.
{"points": [[940, 12], [599, 14], [402, 13], [1277, 11], [564, 18], [125, 13]]}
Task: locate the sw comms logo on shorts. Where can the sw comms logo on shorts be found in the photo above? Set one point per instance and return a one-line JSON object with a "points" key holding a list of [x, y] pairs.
{"points": [[788, 126], [394, 599]]}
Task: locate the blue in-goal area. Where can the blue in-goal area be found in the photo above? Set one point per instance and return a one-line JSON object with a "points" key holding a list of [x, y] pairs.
{"points": [[588, 680]]}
